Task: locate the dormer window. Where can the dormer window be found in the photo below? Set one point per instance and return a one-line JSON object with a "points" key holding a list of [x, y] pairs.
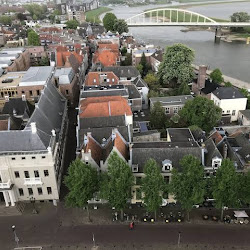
{"points": [[135, 168], [166, 166], [216, 162]]}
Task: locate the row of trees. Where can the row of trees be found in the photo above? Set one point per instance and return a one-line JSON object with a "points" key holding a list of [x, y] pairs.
{"points": [[199, 111], [187, 184], [112, 23]]}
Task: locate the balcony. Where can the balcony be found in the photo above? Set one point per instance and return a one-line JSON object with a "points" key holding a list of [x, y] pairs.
{"points": [[33, 181], [6, 185]]}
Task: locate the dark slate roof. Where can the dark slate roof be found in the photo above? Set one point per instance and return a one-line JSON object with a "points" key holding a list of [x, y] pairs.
{"points": [[48, 113], [99, 133], [133, 92], [209, 87], [123, 71], [180, 135], [101, 122], [172, 100], [246, 113], [211, 152], [19, 106], [158, 55], [160, 151], [139, 82], [228, 93], [104, 92]]}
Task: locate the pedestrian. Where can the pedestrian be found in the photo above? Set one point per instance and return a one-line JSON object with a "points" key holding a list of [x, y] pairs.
{"points": [[131, 225]]}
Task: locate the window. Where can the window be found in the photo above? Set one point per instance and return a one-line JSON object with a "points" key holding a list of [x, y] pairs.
{"points": [[13, 158], [49, 190], [175, 110], [23, 158], [26, 174], [94, 80], [20, 191], [38, 92], [33, 157], [43, 157], [167, 111], [30, 190], [166, 165], [67, 92], [135, 168], [23, 92], [166, 179], [228, 111], [17, 175], [36, 173], [40, 191], [233, 112], [46, 172], [31, 93]]}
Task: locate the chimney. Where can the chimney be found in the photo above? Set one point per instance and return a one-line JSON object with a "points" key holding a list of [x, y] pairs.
{"points": [[53, 132], [225, 151], [202, 76], [114, 131], [33, 127], [203, 154], [130, 154], [23, 98], [86, 140]]}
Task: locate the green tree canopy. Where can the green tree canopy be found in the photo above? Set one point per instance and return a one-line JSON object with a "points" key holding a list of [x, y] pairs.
{"points": [[201, 112], [44, 61], [120, 26], [153, 186], [152, 81], [36, 10], [124, 51], [226, 186], [184, 89], [109, 21], [145, 66], [176, 67], [72, 24], [216, 76], [5, 20], [82, 182], [157, 116], [244, 192], [117, 182], [128, 60], [21, 16], [33, 38], [187, 184]]}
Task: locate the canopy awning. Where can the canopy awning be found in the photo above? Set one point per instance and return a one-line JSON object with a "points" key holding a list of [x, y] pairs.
{"points": [[240, 214]]}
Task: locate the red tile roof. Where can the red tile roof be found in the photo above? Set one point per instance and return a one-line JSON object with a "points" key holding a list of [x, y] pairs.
{"points": [[121, 146], [62, 58], [97, 78], [216, 136], [105, 57], [104, 106], [109, 46]]}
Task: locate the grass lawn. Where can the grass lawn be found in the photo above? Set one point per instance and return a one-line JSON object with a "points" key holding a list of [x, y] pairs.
{"points": [[93, 16]]}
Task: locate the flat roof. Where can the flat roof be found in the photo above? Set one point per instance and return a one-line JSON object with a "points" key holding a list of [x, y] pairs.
{"points": [[171, 100], [180, 135], [37, 76], [15, 76]]}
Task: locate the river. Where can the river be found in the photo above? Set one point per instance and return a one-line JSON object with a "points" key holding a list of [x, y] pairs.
{"points": [[232, 58]]}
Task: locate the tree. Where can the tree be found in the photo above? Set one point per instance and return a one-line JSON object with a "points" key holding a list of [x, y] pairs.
{"points": [[244, 193], [44, 61], [176, 67], [140, 68], [239, 17], [82, 182], [152, 81], [246, 94], [216, 76], [145, 67], [109, 21], [226, 186], [128, 60], [202, 112], [184, 89], [36, 11], [157, 116], [153, 186], [72, 24], [188, 184], [120, 26], [5, 20], [117, 182], [124, 51], [33, 38], [21, 16]]}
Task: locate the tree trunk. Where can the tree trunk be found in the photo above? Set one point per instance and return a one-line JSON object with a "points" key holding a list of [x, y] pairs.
{"points": [[121, 214], [188, 215], [221, 214], [88, 213], [155, 215]]}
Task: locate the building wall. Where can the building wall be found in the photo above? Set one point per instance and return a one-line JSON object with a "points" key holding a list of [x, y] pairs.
{"points": [[9, 167], [171, 110], [136, 104], [243, 119], [230, 105], [30, 92]]}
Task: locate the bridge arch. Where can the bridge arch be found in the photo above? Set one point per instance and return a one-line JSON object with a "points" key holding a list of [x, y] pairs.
{"points": [[168, 16]]}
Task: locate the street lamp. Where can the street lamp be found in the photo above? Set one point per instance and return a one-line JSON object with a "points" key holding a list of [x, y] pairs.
{"points": [[15, 235], [32, 201], [179, 239]]}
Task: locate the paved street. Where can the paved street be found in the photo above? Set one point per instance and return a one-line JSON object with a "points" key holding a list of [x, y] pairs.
{"points": [[47, 230]]}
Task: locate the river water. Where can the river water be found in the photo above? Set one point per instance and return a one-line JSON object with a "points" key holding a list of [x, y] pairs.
{"points": [[232, 58]]}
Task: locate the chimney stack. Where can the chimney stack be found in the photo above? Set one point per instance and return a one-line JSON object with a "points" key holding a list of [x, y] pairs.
{"points": [[33, 127], [202, 76], [225, 151]]}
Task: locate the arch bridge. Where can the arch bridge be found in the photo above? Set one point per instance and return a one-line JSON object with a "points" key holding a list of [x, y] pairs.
{"points": [[177, 17]]}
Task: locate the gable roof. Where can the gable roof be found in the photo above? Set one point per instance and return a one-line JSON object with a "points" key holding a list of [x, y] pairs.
{"points": [[104, 106], [105, 57], [212, 152], [139, 82], [123, 71], [228, 93], [97, 78]]}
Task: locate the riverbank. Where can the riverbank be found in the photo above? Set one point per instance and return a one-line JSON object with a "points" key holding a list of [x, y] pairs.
{"points": [[93, 16]]}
